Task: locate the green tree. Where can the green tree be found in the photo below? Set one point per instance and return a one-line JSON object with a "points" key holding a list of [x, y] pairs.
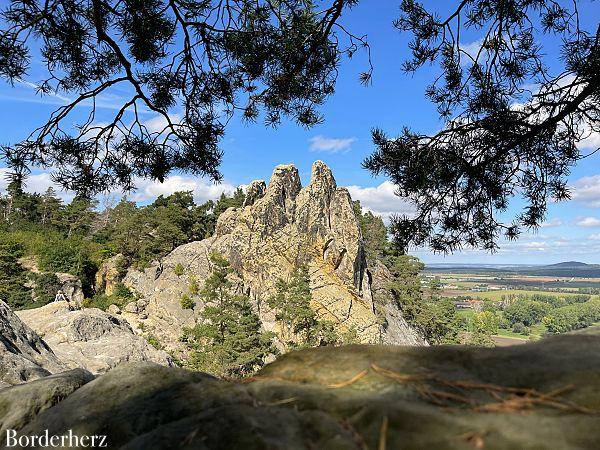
{"points": [[299, 324], [227, 340], [225, 201], [209, 59], [526, 311], [50, 209], [71, 255], [572, 317], [435, 317], [46, 287], [374, 233], [78, 216], [501, 136], [12, 276], [485, 322]]}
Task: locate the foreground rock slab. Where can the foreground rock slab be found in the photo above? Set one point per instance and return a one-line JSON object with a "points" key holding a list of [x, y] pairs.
{"points": [[542, 395], [24, 356], [90, 338], [21, 403]]}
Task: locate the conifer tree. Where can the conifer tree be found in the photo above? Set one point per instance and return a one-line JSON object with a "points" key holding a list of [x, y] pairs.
{"points": [[227, 340], [50, 208], [435, 317], [12, 276], [300, 326]]}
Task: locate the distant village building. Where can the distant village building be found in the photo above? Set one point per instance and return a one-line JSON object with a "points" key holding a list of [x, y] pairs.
{"points": [[471, 303]]}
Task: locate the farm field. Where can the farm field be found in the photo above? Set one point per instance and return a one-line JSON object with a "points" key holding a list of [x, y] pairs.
{"points": [[469, 290], [497, 295]]}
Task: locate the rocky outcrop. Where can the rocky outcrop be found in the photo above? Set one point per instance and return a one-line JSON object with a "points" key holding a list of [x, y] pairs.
{"points": [[70, 288], [394, 325], [90, 339], [24, 356], [280, 227], [109, 274], [542, 395]]}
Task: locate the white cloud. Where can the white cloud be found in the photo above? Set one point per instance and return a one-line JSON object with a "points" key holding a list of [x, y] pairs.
{"points": [[594, 237], [472, 49], [158, 123], [38, 182], [591, 139], [321, 143], [554, 222], [587, 191], [146, 190], [382, 200], [587, 222]]}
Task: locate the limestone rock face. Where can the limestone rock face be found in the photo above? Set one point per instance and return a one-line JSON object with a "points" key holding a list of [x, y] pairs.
{"points": [[280, 227], [90, 338], [24, 356], [544, 395]]}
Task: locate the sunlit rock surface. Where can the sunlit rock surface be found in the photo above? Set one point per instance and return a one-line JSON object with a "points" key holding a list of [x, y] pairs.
{"points": [[281, 226]]}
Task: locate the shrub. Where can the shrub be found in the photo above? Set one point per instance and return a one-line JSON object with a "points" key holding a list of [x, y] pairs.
{"points": [[194, 287], [186, 302], [123, 292], [179, 270], [519, 328], [103, 301], [70, 255], [154, 342]]}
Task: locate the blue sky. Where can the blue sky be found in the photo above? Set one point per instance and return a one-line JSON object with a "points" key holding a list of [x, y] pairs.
{"points": [[572, 231]]}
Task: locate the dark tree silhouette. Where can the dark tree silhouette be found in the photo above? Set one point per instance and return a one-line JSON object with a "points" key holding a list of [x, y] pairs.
{"points": [[207, 58], [502, 138]]}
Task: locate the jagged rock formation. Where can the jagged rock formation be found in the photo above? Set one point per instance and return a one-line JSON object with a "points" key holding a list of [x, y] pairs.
{"points": [[90, 338], [280, 227], [24, 356], [542, 395]]}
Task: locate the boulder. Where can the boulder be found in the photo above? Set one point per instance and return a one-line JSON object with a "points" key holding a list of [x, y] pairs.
{"points": [[24, 356], [539, 395], [280, 227], [90, 338], [113, 309], [20, 404]]}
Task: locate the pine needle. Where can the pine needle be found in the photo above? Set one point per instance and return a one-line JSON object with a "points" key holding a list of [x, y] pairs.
{"points": [[352, 380], [383, 434]]}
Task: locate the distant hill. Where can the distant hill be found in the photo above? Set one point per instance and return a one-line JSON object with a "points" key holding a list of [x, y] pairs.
{"points": [[563, 269], [570, 265]]}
